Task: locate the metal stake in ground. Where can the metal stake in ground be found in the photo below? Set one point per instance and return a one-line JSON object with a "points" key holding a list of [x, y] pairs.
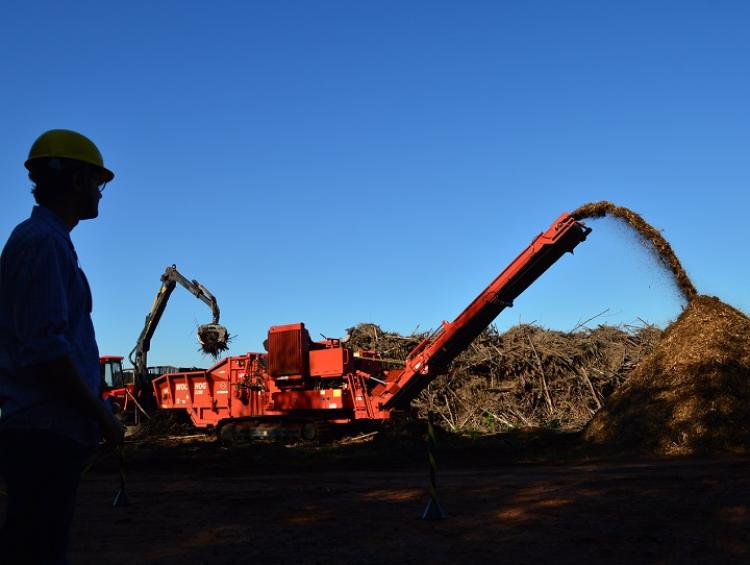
{"points": [[433, 510]]}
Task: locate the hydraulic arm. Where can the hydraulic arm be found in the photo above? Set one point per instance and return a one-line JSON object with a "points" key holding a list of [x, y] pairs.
{"points": [[212, 337]]}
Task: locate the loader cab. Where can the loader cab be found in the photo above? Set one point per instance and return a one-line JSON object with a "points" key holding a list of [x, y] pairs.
{"points": [[117, 387], [110, 371]]}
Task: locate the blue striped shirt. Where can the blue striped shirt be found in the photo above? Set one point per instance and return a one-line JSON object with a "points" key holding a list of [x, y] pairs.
{"points": [[45, 314]]}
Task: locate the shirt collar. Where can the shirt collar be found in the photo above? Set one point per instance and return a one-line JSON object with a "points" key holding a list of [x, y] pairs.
{"points": [[51, 219]]}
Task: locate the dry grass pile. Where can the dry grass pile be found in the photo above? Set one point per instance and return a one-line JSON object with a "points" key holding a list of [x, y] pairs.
{"points": [[692, 394], [527, 376]]}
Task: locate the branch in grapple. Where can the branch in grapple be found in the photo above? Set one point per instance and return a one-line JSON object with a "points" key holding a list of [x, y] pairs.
{"points": [[214, 339]]}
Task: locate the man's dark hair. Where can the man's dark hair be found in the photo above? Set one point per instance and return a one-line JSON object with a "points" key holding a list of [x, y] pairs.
{"points": [[53, 178]]}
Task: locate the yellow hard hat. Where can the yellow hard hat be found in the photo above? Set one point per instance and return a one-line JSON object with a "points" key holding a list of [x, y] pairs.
{"points": [[67, 144]]}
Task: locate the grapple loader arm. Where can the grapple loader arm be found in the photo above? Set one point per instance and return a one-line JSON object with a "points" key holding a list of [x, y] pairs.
{"points": [[213, 337]]}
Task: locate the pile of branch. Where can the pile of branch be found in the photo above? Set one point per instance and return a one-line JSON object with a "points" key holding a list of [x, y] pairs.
{"points": [[526, 376]]}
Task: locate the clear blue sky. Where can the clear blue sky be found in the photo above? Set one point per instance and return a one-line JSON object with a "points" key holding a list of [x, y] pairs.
{"points": [[341, 162]]}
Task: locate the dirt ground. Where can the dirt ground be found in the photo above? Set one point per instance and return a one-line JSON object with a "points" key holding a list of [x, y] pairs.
{"points": [[517, 498]]}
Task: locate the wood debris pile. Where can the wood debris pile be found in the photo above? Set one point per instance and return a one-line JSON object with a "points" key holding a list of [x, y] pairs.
{"points": [[163, 423], [527, 376]]}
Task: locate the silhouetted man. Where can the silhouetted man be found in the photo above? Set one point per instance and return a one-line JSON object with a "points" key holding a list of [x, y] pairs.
{"points": [[51, 413]]}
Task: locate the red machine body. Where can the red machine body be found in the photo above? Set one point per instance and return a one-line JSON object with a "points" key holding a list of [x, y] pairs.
{"points": [[299, 382]]}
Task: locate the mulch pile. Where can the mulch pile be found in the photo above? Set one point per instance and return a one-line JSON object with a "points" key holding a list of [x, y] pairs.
{"points": [[692, 394]]}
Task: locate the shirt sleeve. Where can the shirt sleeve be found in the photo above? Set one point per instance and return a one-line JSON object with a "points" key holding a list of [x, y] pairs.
{"points": [[40, 313]]}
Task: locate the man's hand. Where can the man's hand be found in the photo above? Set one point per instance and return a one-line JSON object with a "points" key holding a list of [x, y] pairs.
{"points": [[113, 430]]}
